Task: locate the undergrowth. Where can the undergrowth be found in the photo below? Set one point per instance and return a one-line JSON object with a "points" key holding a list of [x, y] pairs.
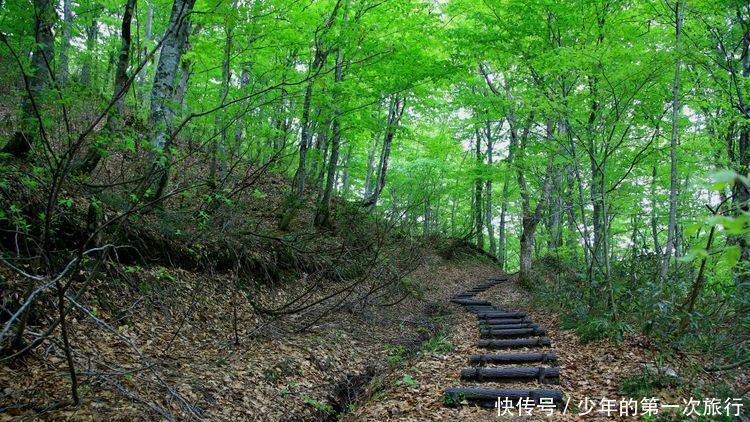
{"points": [[651, 310]]}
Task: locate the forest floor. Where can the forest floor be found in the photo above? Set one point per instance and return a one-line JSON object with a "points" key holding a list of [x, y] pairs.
{"points": [[271, 375], [390, 365]]}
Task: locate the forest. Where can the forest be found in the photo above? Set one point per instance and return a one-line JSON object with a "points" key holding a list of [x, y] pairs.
{"points": [[261, 209]]}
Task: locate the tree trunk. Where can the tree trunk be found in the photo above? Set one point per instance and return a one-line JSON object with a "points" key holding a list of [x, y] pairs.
{"points": [[39, 79], [92, 35], [306, 125], [67, 33], [114, 119], [323, 212], [673, 181], [501, 252], [121, 72], [479, 206], [217, 165], [654, 220], [144, 50], [240, 128], [488, 194], [345, 180], [502, 235], [371, 162], [396, 108], [530, 219], [163, 90]]}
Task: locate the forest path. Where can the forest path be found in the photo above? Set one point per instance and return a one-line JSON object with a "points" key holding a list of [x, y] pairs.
{"points": [[584, 370], [502, 329]]}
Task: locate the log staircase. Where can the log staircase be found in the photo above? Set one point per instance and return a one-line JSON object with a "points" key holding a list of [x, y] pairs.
{"points": [[504, 329]]}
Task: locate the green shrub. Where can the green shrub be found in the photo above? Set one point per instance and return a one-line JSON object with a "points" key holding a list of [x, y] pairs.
{"points": [[438, 344]]}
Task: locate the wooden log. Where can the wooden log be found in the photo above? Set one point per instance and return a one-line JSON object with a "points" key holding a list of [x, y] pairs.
{"points": [[489, 327], [471, 302], [486, 308], [515, 343], [479, 312], [492, 321], [515, 333], [542, 374], [481, 308], [488, 397], [500, 314], [512, 358]]}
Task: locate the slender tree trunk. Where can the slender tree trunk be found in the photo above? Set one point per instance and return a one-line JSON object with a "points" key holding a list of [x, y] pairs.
{"points": [[114, 119], [501, 252], [554, 214], [240, 128], [217, 165], [673, 180], [571, 240], [371, 162], [306, 125], [395, 111], [92, 36], [301, 174], [321, 148], [529, 222], [530, 219], [323, 213], [479, 206], [67, 33], [163, 89], [654, 220], [121, 72], [587, 248], [502, 231], [488, 195], [144, 50], [345, 181]]}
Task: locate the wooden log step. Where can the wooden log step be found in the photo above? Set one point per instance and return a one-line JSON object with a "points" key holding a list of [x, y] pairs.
{"points": [[463, 296], [488, 397], [474, 310], [471, 302], [500, 314], [480, 312], [515, 333], [515, 343], [489, 327], [482, 308], [498, 321], [543, 375], [512, 358]]}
